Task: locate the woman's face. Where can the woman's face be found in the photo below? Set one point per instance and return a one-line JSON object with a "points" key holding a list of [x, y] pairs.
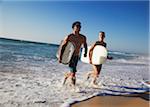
{"points": [[101, 36]]}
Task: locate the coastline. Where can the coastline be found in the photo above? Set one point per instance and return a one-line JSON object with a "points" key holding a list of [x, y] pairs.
{"points": [[132, 100]]}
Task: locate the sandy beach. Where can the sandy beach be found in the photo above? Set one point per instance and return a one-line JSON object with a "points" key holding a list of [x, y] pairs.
{"points": [[115, 101]]}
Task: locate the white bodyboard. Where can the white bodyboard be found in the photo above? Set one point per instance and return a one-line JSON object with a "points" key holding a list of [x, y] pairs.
{"points": [[99, 55]]}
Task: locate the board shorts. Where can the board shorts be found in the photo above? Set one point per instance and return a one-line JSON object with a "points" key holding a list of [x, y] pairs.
{"points": [[73, 63]]}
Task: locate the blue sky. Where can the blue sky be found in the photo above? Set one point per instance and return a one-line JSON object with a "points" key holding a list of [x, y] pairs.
{"points": [[126, 23]]}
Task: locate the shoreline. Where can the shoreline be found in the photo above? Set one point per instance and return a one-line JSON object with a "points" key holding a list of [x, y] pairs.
{"points": [[131, 100]]}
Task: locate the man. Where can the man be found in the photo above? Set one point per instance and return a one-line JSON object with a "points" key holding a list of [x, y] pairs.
{"points": [[78, 40]]}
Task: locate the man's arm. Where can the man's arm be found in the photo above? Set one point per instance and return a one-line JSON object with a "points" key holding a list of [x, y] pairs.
{"points": [[85, 46]]}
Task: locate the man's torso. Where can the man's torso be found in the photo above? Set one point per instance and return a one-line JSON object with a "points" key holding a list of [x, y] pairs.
{"points": [[77, 41]]}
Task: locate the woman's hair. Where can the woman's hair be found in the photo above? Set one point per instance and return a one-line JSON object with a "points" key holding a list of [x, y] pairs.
{"points": [[103, 33]]}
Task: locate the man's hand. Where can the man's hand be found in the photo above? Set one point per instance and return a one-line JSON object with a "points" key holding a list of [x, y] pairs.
{"points": [[85, 55], [90, 61], [59, 60]]}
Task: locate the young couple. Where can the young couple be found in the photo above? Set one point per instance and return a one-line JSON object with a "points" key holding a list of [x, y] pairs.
{"points": [[78, 40]]}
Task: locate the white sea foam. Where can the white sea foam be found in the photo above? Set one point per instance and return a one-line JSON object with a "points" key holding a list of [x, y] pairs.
{"points": [[37, 83], [30, 80]]}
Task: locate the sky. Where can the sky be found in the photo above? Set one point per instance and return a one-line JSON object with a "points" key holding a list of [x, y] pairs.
{"points": [[126, 23]]}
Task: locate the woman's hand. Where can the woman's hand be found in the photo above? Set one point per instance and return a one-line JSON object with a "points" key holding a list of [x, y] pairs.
{"points": [[109, 57]]}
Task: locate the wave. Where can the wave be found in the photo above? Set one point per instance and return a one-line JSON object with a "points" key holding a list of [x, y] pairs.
{"points": [[122, 53], [14, 50], [140, 60]]}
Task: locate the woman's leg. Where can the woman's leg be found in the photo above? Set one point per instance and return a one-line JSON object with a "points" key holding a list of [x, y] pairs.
{"points": [[96, 72], [92, 73]]}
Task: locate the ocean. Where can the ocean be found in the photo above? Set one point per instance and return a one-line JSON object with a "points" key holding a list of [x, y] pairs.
{"points": [[37, 75]]}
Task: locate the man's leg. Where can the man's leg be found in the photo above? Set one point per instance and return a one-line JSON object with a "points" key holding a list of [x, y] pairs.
{"points": [[73, 78], [71, 75], [66, 77], [73, 69]]}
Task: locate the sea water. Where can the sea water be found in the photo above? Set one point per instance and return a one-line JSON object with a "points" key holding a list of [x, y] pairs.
{"points": [[37, 63]]}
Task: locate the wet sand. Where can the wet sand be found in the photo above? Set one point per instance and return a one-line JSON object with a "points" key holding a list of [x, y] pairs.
{"points": [[140, 100]]}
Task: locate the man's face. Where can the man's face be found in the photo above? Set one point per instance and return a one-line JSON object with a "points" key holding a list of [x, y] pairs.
{"points": [[77, 28]]}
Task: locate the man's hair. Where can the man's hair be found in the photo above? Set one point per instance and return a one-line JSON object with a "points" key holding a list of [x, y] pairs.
{"points": [[102, 32], [76, 23]]}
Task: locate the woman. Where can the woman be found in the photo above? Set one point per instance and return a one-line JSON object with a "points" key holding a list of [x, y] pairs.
{"points": [[96, 68]]}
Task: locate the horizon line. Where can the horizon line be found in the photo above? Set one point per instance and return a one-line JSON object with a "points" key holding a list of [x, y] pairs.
{"points": [[28, 41]]}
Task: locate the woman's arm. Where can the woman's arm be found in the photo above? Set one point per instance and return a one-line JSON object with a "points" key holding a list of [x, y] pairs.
{"points": [[91, 52], [108, 57]]}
